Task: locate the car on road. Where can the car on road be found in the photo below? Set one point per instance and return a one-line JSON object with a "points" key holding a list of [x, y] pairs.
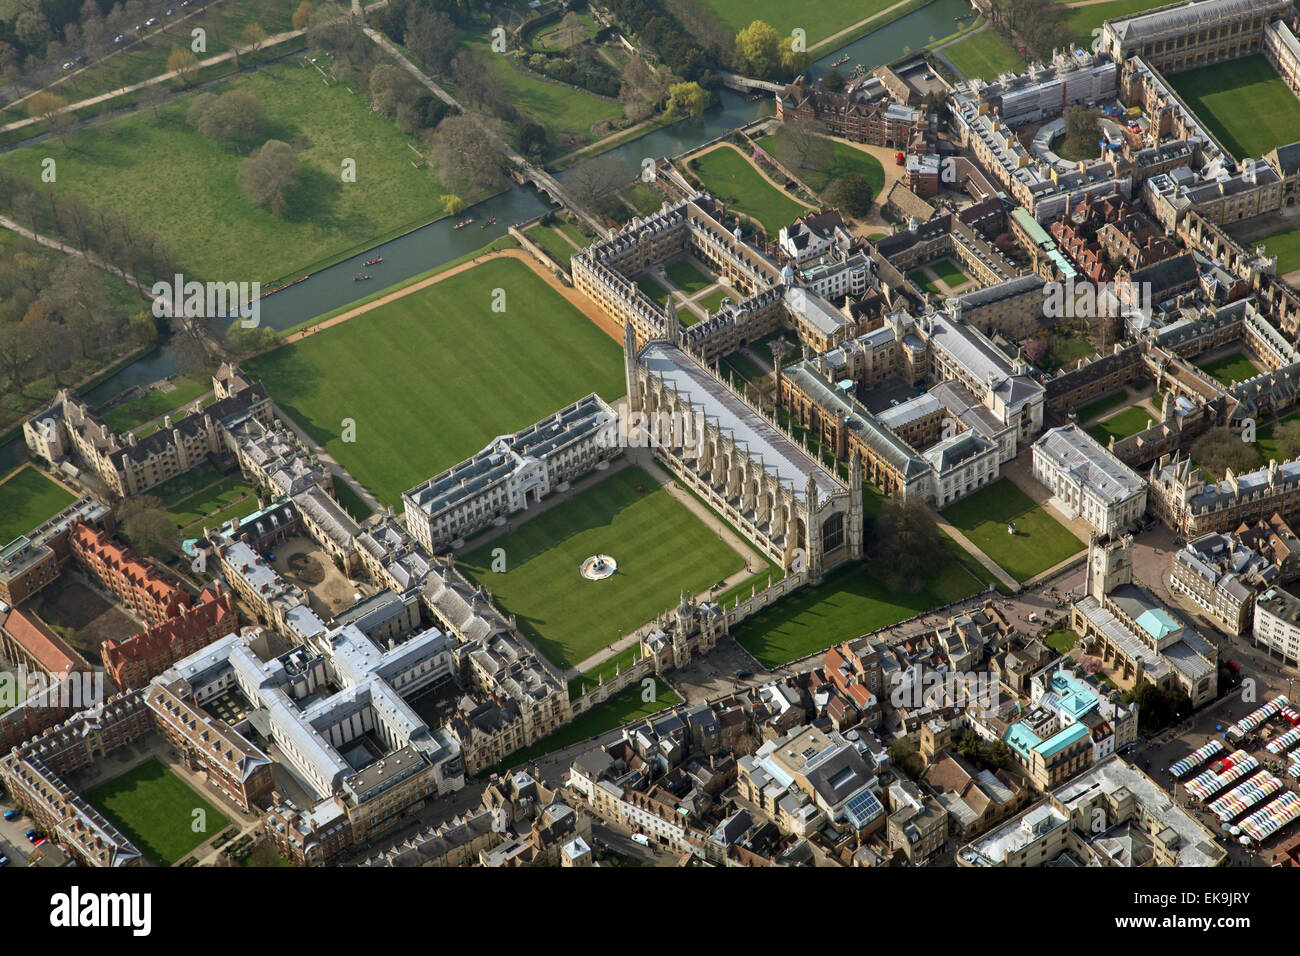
{"points": [[13, 814]]}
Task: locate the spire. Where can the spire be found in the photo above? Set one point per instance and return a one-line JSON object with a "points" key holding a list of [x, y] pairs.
{"points": [[672, 324]]}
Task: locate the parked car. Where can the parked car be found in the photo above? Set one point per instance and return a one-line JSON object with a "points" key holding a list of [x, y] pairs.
{"points": [[120, 38], [151, 22], [744, 675], [68, 65], [4, 861], [13, 814], [32, 836], [80, 59], [641, 839]]}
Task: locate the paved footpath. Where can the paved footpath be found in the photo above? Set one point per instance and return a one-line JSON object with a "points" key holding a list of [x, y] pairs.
{"points": [[992, 566]]}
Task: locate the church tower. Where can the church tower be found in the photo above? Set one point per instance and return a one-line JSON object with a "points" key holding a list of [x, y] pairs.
{"points": [[855, 506], [672, 324], [1110, 564]]}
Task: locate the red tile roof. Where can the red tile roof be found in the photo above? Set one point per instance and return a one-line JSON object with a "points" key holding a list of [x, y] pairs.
{"points": [[43, 644]]}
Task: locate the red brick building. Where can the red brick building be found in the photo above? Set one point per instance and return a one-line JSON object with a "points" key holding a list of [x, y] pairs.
{"points": [[876, 120], [137, 660], [138, 585]]}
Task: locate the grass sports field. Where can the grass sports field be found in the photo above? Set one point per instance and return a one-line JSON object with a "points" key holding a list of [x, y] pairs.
{"points": [[154, 809], [163, 171], [985, 54], [1039, 542], [660, 546], [26, 500], [1231, 368], [1244, 103], [730, 176], [849, 603], [821, 19], [1128, 422], [842, 160], [419, 406]]}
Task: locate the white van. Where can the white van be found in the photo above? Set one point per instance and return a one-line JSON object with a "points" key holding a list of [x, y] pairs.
{"points": [[641, 838]]}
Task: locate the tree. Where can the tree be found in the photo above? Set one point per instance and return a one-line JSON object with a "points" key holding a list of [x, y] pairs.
{"points": [[232, 118], [253, 36], [833, 81], [267, 176], [851, 194], [903, 754], [686, 99], [389, 88], [1081, 131], [907, 546], [152, 531], [532, 139], [184, 64], [594, 179], [464, 155], [759, 47], [249, 341], [1219, 449], [44, 105], [302, 16], [452, 204]]}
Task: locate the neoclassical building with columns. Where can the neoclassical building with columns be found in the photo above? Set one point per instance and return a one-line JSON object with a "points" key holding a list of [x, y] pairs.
{"points": [[729, 452]]}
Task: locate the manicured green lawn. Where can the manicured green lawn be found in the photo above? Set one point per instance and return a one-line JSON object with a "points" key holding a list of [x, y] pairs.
{"points": [[554, 243], [660, 546], [1267, 444], [1061, 640], [175, 490], [350, 500], [610, 667], [1244, 103], [821, 19], [162, 171], [126, 416], [729, 176], [687, 277], [433, 377], [27, 500], [655, 292], [949, 272], [1039, 542], [231, 497], [1065, 352], [924, 281], [1285, 245], [851, 602], [1128, 422], [713, 301], [985, 54], [1093, 409], [1231, 368], [623, 708], [743, 365], [842, 160], [154, 809]]}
